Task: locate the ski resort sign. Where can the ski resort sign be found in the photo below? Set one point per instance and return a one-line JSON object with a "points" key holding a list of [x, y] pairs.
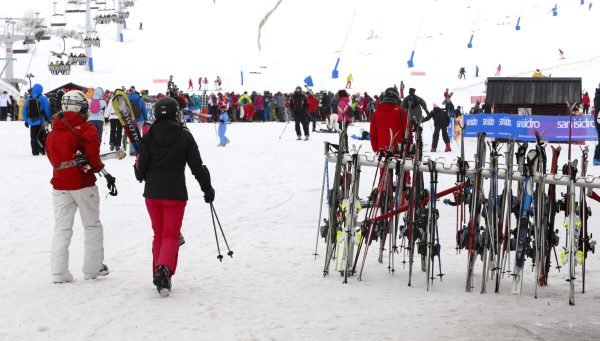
{"points": [[522, 128]]}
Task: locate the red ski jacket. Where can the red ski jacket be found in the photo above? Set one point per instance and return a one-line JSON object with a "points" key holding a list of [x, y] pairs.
{"points": [[387, 117], [62, 145]]}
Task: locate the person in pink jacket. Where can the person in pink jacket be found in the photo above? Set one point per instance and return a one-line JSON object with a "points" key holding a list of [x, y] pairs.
{"points": [[344, 109]]}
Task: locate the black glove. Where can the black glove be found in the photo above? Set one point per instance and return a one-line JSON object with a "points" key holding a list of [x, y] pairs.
{"points": [[138, 176], [209, 195], [26, 125]]}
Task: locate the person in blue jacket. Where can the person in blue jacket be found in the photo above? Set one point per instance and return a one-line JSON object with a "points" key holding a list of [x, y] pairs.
{"points": [[139, 110], [223, 120], [36, 113]]}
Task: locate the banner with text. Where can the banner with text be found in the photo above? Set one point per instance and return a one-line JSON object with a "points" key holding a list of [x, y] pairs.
{"points": [[522, 128]]}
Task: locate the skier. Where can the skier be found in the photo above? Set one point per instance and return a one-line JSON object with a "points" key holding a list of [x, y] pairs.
{"points": [[116, 129], [476, 71], [441, 121], [242, 101], [561, 53], [597, 124], [388, 119], [401, 89], [498, 70], [299, 107], [75, 189], [344, 109], [218, 83], [259, 106], [280, 103], [199, 83], [164, 151], [140, 26], [139, 110], [5, 104], [413, 105], [96, 107], [585, 101], [462, 73], [313, 105], [190, 84], [170, 85], [36, 114], [349, 80], [223, 120]]}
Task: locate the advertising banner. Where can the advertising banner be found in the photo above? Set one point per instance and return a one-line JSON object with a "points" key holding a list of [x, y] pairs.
{"points": [[522, 128]]}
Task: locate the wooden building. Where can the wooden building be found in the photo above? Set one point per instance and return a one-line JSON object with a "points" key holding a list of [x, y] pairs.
{"points": [[536, 96]]}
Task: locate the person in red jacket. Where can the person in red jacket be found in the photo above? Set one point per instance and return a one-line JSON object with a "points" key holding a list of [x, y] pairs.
{"points": [[389, 115], [249, 111], [313, 106], [585, 101], [75, 189]]}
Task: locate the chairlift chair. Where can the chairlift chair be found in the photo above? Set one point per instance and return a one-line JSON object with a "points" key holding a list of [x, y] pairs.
{"points": [[58, 20]]}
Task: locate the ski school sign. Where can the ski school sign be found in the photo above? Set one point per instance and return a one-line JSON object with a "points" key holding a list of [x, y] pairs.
{"points": [[521, 128]]}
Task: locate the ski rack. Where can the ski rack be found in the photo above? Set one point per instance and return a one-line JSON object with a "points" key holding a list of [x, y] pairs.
{"points": [[443, 168]]}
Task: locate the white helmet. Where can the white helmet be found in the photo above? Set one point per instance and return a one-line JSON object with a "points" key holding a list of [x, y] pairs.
{"points": [[74, 101]]}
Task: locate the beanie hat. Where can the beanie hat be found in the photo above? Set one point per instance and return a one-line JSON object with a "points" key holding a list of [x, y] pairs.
{"points": [[391, 96], [166, 107]]}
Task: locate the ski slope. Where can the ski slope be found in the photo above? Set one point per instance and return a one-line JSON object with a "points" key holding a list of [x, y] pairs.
{"points": [[301, 38], [267, 189]]}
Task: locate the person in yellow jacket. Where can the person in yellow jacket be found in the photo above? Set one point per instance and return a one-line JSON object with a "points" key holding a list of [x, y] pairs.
{"points": [[538, 74], [349, 80], [243, 100]]}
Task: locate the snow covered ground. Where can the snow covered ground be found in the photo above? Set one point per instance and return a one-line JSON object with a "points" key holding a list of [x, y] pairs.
{"points": [[273, 288]]}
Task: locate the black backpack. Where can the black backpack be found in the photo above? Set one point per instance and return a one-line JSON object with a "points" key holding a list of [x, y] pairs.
{"points": [[33, 108]]}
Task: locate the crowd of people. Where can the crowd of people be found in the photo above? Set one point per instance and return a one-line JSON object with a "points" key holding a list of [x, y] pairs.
{"points": [[302, 106]]}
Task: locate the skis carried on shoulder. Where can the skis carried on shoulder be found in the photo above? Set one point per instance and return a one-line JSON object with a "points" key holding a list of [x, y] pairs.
{"points": [[124, 112], [81, 161]]}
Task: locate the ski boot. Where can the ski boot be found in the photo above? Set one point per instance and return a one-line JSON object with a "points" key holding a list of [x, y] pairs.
{"points": [[448, 149], [162, 280], [102, 272]]}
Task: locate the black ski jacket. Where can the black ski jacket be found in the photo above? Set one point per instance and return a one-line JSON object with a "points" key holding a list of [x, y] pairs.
{"points": [[440, 117], [164, 152]]}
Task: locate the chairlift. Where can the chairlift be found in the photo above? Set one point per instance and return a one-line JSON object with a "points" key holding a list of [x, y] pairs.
{"points": [[77, 59], [57, 19], [57, 64], [91, 41], [28, 40], [129, 3], [73, 6]]}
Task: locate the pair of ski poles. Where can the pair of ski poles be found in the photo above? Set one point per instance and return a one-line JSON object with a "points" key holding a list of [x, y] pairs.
{"points": [[213, 215]]}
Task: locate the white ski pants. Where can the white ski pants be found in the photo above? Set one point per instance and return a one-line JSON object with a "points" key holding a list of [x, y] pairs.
{"points": [[332, 123], [66, 204]]}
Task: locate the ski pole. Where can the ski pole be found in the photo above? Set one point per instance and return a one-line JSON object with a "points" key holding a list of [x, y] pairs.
{"points": [[216, 134], [229, 252], [325, 177], [288, 122], [212, 215]]}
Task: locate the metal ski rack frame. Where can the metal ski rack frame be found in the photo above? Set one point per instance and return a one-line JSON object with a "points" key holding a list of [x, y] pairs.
{"points": [[443, 168]]}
